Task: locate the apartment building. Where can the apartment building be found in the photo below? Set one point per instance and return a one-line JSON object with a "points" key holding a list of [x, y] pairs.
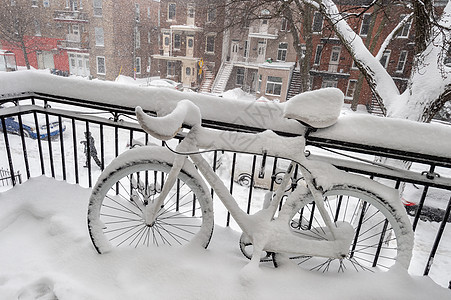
{"points": [[191, 41], [259, 58], [96, 38]]}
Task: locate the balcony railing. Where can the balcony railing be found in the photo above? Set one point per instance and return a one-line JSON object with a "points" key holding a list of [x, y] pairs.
{"points": [[107, 111], [73, 45], [70, 16]]}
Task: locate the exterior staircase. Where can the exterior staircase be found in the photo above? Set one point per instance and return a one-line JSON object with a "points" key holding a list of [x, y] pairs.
{"points": [[294, 87], [375, 108], [222, 78], [207, 83]]}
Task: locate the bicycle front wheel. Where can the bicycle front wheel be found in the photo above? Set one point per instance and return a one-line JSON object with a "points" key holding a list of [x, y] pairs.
{"points": [[115, 214], [381, 236]]}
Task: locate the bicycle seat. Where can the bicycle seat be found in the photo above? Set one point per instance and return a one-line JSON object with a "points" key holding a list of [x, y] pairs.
{"points": [[318, 109]]}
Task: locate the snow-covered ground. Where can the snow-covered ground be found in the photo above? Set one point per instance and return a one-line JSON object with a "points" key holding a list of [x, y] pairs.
{"points": [[56, 255], [46, 254]]}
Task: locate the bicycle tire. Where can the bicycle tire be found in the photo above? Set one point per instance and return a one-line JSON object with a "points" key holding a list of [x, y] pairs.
{"points": [[115, 219], [382, 234]]}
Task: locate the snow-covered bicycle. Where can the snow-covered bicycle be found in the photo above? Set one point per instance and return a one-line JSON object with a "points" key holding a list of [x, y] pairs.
{"points": [[326, 219]]}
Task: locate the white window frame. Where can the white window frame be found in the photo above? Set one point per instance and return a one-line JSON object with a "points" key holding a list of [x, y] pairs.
{"points": [[403, 62], [270, 81], [329, 83], [37, 28], [171, 17], [401, 33], [317, 15], [46, 3], [99, 36], [366, 21], [387, 54], [149, 35], [137, 38], [148, 12], [137, 13], [206, 44], [318, 54], [282, 52], [104, 65], [138, 65], [34, 3], [97, 8], [211, 14], [239, 76], [172, 68], [177, 47], [348, 89]]}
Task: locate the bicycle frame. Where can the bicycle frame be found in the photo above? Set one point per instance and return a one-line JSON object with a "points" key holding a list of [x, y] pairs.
{"points": [[267, 232]]}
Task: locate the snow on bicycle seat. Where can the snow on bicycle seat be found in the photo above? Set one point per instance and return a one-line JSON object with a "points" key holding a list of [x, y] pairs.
{"points": [[318, 108]]}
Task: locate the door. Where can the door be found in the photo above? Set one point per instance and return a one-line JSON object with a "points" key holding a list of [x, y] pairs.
{"points": [[188, 73], [190, 46], [261, 52], [80, 65], [334, 59], [234, 50], [166, 43]]}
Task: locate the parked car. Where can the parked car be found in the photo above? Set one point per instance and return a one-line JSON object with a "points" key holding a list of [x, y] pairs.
{"points": [[167, 83], [29, 129]]}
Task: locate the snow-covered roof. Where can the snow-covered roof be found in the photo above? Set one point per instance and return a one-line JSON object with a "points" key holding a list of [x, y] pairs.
{"points": [[397, 134]]}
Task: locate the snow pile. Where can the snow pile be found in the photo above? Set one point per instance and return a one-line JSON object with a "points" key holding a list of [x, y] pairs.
{"points": [[46, 254], [238, 94], [319, 109]]}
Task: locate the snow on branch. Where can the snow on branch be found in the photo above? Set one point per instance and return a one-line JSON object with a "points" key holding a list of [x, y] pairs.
{"points": [[392, 34]]}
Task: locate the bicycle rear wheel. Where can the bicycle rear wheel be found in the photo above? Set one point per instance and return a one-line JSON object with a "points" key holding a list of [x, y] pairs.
{"points": [[115, 216], [381, 236]]}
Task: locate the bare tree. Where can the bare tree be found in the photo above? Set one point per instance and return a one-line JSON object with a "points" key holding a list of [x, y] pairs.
{"points": [[429, 85], [17, 23]]}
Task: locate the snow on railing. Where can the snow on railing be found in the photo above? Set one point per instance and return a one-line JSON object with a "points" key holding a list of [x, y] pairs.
{"points": [[64, 108]]}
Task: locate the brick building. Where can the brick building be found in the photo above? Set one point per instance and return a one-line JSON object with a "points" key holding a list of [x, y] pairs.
{"points": [[191, 40]]}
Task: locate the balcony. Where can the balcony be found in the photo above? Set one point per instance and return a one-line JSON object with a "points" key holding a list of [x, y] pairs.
{"points": [[70, 16], [263, 32], [99, 107], [73, 46]]}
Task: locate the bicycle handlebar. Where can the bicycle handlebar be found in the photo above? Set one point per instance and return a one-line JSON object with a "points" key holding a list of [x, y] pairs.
{"points": [[165, 128]]}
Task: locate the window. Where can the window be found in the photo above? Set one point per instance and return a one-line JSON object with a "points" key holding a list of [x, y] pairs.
{"points": [[285, 25], [240, 76], [148, 12], [246, 48], [188, 71], [137, 18], [401, 61], [210, 47], [149, 63], [319, 49], [351, 88], [37, 28], [99, 36], [317, 22], [137, 38], [364, 28], [46, 3], [166, 39], [191, 11], [171, 11], [259, 83], [171, 68], [97, 7], [385, 58], [190, 42], [404, 31], [138, 65], [211, 14], [13, 2], [177, 41], [101, 65], [282, 52], [34, 2], [274, 85], [329, 83]]}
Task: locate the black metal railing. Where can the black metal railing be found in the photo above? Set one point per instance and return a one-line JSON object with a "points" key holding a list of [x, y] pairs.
{"points": [[58, 125]]}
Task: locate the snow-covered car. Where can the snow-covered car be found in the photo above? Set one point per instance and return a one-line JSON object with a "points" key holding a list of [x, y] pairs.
{"points": [[167, 83], [29, 128]]}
